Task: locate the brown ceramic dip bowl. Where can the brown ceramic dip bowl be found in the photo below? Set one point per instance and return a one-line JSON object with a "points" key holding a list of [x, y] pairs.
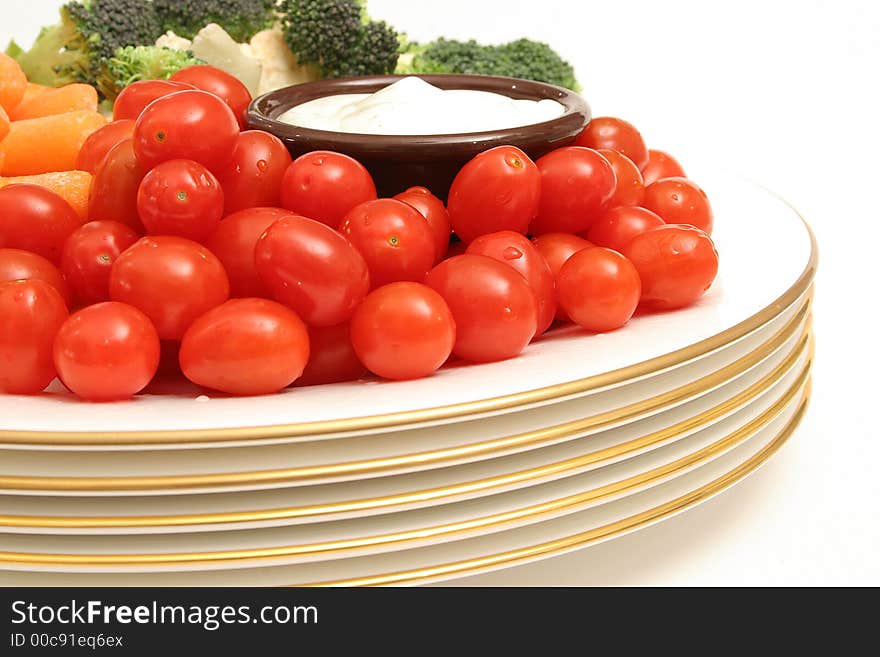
{"points": [[397, 162]]}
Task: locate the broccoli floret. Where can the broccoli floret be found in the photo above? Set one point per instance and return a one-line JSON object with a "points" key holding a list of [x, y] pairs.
{"points": [[240, 18], [60, 55], [134, 63], [114, 24], [339, 37]]}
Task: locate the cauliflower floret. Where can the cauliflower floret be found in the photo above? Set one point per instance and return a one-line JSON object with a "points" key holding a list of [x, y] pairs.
{"points": [[280, 67], [171, 40], [213, 45]]}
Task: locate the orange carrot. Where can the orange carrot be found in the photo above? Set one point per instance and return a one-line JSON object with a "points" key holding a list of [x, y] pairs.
{"points": [[69, 98], [12, 82], [72, 186], [4, 123], [30, 92], [49, 143]]}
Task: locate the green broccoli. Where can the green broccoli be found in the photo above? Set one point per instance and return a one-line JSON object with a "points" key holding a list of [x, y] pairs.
{"points": [[240, 18], [523, 58], [134, 63], [339, 37]]}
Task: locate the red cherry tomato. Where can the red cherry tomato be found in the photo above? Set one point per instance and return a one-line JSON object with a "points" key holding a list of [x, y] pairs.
{"points": [[234, 242], [616, 135], [180, 197], [661, 165], [403, 331], [113, 196], [332, 358], [434, 212], [106, 352], [497, 190], [680, 201], [132, 100], [99, 143], [676, 263], [630, 188], [325, 186], [171, 279], [245, 347], [556, 248], [252, 178], [494, 308], [576, 186], [617, 227], [598, 289], [394, 239], [35, 219], [89, 254], [187, 125], [220, 83], [517, 251], [20, 265], [32, 313], [311, 268]]}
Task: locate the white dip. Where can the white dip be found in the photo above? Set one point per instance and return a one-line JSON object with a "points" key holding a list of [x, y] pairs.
{"points": [[411, 106]]}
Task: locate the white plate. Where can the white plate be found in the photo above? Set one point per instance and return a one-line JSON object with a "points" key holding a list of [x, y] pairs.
{"points": [[757, 280]]}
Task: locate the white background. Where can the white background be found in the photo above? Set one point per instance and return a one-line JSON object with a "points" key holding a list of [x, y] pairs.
{"points": [[786, 93]]}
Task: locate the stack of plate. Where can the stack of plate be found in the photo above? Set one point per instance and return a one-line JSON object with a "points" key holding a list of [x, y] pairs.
{"points": [[581, 439]]}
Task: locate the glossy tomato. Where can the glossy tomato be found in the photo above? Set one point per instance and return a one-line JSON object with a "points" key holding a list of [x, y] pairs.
{"points": [[394, 239], [35, 219], [630, 188], [661, 165], [252, 178], [556, 248], [188, 125], [245, 347], [403, 331], [598, 289], [32, 313], [88, 257], [106, 352], [332, 358], [113, 196], [99, 143], [497, 190], [325, 186], [576, 186], [132, 100], [20, 265], [517, 251], [617, 227], [311, 268], [616, 135], [676, 263], [180, 197], [494, 308], [173, 280], [680, 201], [434, 212], [220, 83]]}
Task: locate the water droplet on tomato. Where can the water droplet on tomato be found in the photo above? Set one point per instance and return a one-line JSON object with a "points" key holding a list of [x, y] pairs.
{"points": [[262, 165], [512, 253]]}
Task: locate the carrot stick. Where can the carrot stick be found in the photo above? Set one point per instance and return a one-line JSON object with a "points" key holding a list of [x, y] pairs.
{"points": [[31, 91], [13, 82], [49, 143], [4, 123], [69, 98], [72, 186]]}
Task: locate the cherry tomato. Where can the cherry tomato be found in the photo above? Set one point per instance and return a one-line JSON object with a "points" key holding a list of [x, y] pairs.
{"points": [[630, 188], [620, 225], [434, 212], [245, 347], [679, 201], [556, 248], [325, 186], [332, 358], [576, 186], [220, 83], [599, 289], [132, 100], [497, 190], [311, 268], [661, 165], [494, 308], [113, 196], [186, 125], [394, 239], [616, 135], [20, 265], [517, 251], [89, 254], [180, 197], [403, 331], [32, 313], [99, 143], [171, 279], [234, 242], [35, 219], [676, 263], [106, 352], [252, 178]]}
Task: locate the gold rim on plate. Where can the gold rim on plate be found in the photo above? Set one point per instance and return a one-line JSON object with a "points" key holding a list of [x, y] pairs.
{"points": [[422, 460]]}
